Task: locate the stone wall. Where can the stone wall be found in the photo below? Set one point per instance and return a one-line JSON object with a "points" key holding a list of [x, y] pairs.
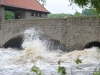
{"points": [[2, 15], [75, 32]]}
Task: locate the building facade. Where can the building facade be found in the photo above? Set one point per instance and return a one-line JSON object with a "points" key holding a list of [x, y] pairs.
{"points": [[23, 9]]}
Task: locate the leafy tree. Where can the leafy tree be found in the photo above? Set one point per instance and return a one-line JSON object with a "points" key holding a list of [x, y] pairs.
{"points": [[58, 15], [88, 12], [95, 4], [77, 14], [9, 15]]}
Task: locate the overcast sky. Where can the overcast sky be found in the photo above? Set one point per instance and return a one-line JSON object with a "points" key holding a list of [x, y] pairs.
{"points": [[61, 6]]}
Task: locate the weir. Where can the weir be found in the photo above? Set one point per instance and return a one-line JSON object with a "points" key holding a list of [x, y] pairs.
{"points": [[75, 32]]}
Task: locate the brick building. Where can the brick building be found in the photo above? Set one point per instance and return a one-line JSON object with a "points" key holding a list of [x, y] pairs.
{"points": [[23, 9]]}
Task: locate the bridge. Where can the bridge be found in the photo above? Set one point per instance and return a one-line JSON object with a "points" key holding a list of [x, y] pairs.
{"points": [[75, 32]]}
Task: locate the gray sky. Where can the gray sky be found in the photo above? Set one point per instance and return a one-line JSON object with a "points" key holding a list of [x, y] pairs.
{"points": [[61, 6]]}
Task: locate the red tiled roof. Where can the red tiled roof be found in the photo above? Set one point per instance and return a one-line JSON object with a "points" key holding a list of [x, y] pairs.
{"points": [[26, 4]]}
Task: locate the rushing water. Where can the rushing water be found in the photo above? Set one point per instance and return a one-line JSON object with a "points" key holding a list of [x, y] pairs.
{"points": [[19, 62]]}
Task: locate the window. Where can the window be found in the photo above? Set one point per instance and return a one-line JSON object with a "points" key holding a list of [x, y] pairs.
{"points": [[36, 14], [39, 14], [32, 13], [17, 16]]}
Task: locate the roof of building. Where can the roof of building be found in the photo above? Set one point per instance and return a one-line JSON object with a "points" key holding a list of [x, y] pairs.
{"points": [[25, 4]]}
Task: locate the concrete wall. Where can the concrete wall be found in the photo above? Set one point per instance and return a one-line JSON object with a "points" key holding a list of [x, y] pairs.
{"points": [[75, 32]]}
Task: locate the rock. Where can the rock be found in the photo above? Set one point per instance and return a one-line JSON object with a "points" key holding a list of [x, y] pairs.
{"points": [[92, 44]]}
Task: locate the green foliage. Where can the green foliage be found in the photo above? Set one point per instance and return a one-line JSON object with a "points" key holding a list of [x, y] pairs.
{"points": [[85, 12], [95, 4], [36, 70], [9, 15], [78, 61], [61, 69], [77, 14], [79, 68], [59, 62], [89, 12], [80, 3], [96, 73], [58, 15], [97, 70]]}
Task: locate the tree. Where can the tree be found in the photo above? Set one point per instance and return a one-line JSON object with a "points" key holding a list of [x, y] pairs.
{"points": [[9, 15], [59, 15], [88, 12], [77, 14], [95, 4]]}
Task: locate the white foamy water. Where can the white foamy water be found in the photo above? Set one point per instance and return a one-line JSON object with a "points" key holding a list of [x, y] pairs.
{"points": [[19, 62], [14, 62]]}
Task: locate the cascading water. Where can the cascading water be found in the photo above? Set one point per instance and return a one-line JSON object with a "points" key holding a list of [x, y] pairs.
{"points": [[32, 36], [16, 62]]}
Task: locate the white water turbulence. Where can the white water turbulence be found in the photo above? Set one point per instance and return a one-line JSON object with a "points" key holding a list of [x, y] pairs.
{"points": [[16, 62]]}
